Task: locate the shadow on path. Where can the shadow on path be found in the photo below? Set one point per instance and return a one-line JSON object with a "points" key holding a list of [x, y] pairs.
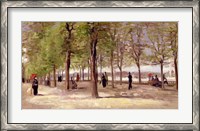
{"points": [[118, 97], [169, 89], [40, 95]]}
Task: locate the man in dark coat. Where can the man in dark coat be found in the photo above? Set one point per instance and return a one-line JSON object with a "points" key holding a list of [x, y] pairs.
{"points": [[77, 77], [103, 80], [129, 81], [60, 78], [35, 86]]}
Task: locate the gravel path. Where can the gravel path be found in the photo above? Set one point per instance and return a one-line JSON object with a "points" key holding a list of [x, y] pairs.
{"points": [[140, 97]]}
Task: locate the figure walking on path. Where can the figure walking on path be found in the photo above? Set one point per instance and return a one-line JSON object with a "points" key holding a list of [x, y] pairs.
{"points": [[106, 77], [103, 80], [35, 86], [59, 78], [77, 77], [129, 81]]}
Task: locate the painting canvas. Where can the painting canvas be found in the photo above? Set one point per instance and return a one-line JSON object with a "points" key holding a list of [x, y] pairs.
{"points": [[99, 65]]}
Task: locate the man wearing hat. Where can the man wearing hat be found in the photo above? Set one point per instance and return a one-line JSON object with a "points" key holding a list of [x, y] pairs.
{"points": [[35, 86]]}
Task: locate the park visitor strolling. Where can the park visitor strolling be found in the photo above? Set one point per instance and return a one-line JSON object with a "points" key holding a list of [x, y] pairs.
{"points": [[129, 81], [103, 80], [35, 86], [106, 77]]}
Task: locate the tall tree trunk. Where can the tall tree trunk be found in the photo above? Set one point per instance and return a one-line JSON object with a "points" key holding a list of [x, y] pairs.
{"points": [[23, 73], [62, 73], [83, 72], [93, 70], [49, 79], [43, 80], [67, 69], [69, 27], [101, 69], [120, 69], [121, 62], [112, 74], [176, 71], [54, 75], [88, 72], [80, 73], [97, 72], [139, 73], [161, 67], [100, 62]]}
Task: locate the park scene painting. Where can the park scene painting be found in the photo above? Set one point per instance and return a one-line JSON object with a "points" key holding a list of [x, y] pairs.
{"points": [[99, 65]]}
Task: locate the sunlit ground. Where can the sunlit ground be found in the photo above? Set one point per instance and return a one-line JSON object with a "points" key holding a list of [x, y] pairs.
{"points": [[140, 97]]}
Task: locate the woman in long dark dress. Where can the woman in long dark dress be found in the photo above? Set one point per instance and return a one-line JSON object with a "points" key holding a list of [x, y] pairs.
{"points": [[129, 81], [35, 86], [103, 80]]}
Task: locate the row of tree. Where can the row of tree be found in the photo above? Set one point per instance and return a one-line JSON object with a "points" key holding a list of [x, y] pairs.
{"points": [[48, 46]]}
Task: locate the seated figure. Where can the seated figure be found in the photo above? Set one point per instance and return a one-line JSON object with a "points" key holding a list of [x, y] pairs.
{"points": [[74, 85], [155, 82], [165, 80]]}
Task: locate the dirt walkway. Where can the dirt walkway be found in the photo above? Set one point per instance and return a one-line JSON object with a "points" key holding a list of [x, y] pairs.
{"points": [[140, 97]]}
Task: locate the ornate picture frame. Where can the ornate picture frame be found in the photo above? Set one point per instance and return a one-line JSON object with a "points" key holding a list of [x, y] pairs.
{"points": [[5, 5]]}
